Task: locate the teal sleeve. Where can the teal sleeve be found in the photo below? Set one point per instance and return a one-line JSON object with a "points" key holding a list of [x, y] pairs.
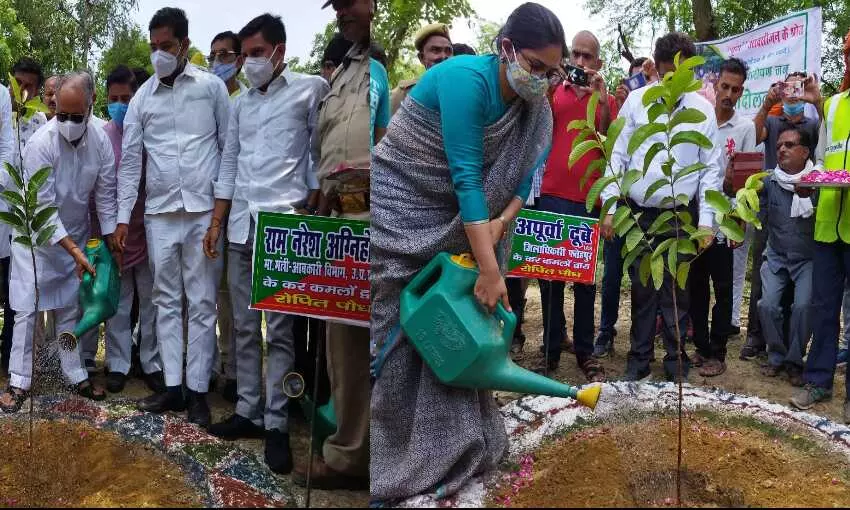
{"points": [[462, 97], [524, 188], [382, 119]]}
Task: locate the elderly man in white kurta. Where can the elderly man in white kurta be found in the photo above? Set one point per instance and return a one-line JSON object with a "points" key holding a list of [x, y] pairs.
{"points": [[82, 163], [180, 118]]}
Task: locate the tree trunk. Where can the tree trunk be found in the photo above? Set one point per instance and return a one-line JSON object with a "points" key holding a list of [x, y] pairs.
{"points": [[704, 21]]}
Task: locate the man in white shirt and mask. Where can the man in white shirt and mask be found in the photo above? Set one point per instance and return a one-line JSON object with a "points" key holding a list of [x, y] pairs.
{"points": [[82, 163], [271, 150], [180, 118]]}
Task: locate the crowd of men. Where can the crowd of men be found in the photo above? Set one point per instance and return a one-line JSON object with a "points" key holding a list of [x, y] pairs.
{"points": [[790, 133], [173, 183]]}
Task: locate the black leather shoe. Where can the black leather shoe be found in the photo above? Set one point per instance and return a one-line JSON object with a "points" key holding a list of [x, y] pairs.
{"points": [[278, 455], [155, 382], [170, 400], [115, 382], [199, 411], [229, 393], [236, 427]]}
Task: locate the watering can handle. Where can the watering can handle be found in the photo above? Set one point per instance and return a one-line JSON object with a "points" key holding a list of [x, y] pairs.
{"points": [[508, 319], [86, 275]]}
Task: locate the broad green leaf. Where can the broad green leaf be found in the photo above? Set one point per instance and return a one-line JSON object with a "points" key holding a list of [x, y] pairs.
{"points": [[596, 189], [672, 259], [607, 207], [692, 62], [696, 167], [682, 274], [39, 178], [577, 124], [620, 215], [614, 131], [591, 109], [16, 89], [12, 197], [642, 133], [630, 255], [41, 218], [629, 178], [755, 181], [625, 227], [634, 237], [45, 235], [15, 175], [683, 199], [668, 202], [751, 197], [583, 148], [36, 105], [718, 201], [657, 270], [694, 86], [667, 168], [663, 229], [650, 155], [655, 186], [685, 217], [662, 247], [702, 233], [595, 168], [687, 116], [652, 95], [745, 212], [688, 228], [693, 137], [732, 230], [686, 247], [645, 269], [24, 240], [11, 219], [655, 111], [662, 219], [32, 198]]}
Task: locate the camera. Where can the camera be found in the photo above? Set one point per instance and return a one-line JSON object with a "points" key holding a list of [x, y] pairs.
{"points": [[576, 75]]}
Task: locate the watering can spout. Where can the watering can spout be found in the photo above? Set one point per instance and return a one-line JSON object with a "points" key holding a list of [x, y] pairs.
{"points": [[511, 377]]}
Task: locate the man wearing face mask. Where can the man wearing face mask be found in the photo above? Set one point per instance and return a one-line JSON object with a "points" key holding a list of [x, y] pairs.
{"points": [[180, 118], [82, 163], [793, 116], [433, 45], [225, 61], [256, 175]]}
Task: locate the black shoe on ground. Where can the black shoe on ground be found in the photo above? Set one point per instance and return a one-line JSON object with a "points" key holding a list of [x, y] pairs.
{"points": [[155, 382], [750, 351], [517, 343], [278, 455], [199, 411], [228, 393], [236, 427], [170, 400], [90, 366], [546, 368], [115, 382], [603, 347]]}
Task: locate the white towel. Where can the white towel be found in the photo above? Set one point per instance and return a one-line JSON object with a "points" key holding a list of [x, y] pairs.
{"points": [[800, 207]]}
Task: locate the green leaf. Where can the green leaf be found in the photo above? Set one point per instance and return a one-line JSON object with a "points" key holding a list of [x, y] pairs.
{"points": [[657, 270], [625, 227], [755, 181], [607, 207], [45, 235], [662, 247], [596, 189], [692, 62], [686, 247], [672, 259], [579, 124], [718, 201], [732, 230], [685, 217], [696, 167], [751, 197], [614, 131], [24, 240], [683, 199], [12, 197], [652, 95], [39, 178], [645, 269], [642, 133], [596, 167], [629, 178], [11, 219], [693, 137], [591, 109], [36, 105], [745, 212], [16, 89], [702, 233], [662, 219], [633, 238], [583, 148], [41, 218], [620, 215], [687, 116], [655, 111], [650, 155], [682, 274], [694, 86], [15, 175], [629, 258], [688, 228], [655, 186], [667, 168]]}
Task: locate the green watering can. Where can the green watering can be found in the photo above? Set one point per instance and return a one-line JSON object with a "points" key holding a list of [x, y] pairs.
{"points": [[293, 387], [98, 294], [463, 344]]}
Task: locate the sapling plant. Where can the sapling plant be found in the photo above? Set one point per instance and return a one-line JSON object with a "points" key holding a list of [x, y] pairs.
{"points": [[671, 242]]}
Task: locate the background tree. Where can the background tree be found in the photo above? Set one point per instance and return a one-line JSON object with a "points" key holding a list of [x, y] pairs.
{"points": [[486, 32], [14, 36]]}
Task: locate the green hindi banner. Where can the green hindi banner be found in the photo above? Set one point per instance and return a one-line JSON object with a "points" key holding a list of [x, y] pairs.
{"points": [[553, 246], [312, 266]]}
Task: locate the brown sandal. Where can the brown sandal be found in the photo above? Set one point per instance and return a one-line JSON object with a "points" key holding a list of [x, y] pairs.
{"points": [[712, 368], [19, 396], [593, 370], [86, 389]]}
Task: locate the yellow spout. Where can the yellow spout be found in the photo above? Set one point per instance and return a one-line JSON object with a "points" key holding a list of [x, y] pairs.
{"points": [[589, 396]]}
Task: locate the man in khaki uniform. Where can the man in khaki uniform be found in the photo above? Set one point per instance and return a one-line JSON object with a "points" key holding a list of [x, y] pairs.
{"points": [[344, 140], [433, 45]]}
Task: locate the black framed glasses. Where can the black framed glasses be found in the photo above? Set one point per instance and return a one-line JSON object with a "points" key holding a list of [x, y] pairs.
{"points": [[553, 76], [224, 56], [76, 118], [787, 145]]}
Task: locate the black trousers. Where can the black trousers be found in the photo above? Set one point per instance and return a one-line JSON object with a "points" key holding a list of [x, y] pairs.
{"points": [[8, 315], [516, 297], [715, 264], [307, 333]]}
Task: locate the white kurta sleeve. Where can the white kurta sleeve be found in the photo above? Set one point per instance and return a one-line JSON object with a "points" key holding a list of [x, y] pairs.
{"points": [[223, 186], [105, 188], [711, 177], [39, 154], [130, 170]]}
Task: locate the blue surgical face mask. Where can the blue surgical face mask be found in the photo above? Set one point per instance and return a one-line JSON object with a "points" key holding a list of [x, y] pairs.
{"points": [[117, 111], [792, 109], [224, 71]]}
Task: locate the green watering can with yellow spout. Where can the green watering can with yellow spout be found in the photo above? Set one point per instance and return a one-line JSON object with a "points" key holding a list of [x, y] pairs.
{"points": [[98, 294], [461, 342]]}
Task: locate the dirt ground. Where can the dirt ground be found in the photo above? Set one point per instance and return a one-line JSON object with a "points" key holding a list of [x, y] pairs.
{"points": [[742, 377], [728, 462]]}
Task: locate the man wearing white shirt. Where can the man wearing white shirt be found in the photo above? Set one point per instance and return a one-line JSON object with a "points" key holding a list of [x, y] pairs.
{"points": [[645, 299], [7, 151], [180, 120], [736, 134], [271, 149]]}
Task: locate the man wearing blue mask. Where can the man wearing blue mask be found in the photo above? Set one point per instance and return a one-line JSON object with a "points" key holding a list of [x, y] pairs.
{"points": [[225, 61]]}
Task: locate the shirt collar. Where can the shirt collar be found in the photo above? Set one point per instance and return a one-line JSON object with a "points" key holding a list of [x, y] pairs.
{"points": [[283, 79], [190, 71], [733, 121]]}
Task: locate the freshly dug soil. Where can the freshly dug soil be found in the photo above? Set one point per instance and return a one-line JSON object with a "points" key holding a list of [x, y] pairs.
{"points": [[74, 464], [727, 462]]}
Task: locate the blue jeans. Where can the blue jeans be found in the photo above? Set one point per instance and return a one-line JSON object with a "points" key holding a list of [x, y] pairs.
{"points": [[612, 281], [552, 295], [831, 266]]}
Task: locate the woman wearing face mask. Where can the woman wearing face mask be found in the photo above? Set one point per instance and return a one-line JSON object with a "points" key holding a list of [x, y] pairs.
{"points": [[450, 175]]}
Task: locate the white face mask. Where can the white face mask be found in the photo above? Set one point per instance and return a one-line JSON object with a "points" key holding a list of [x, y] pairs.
{"points": [[164, 63], [72, 131], [259, 70]]}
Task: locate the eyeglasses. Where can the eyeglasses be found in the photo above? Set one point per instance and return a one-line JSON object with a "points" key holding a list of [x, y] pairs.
{"points": [[553, 76], [224, 56], [76, 118], [787, 145]]}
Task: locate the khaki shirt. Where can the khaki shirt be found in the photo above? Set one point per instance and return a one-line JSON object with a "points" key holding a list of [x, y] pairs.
{"points": [[344, 117], [400, 92]]}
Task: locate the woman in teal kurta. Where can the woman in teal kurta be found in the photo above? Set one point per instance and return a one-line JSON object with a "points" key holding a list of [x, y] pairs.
{"points": [[453, 170]]}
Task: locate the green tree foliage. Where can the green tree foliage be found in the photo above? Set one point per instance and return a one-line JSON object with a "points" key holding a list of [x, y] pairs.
{"points": [[129, 47], [485, 33], [14, 36]]}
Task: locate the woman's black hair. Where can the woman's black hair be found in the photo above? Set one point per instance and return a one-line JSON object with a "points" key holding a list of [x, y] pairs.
{"points": [[534, 27]]}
